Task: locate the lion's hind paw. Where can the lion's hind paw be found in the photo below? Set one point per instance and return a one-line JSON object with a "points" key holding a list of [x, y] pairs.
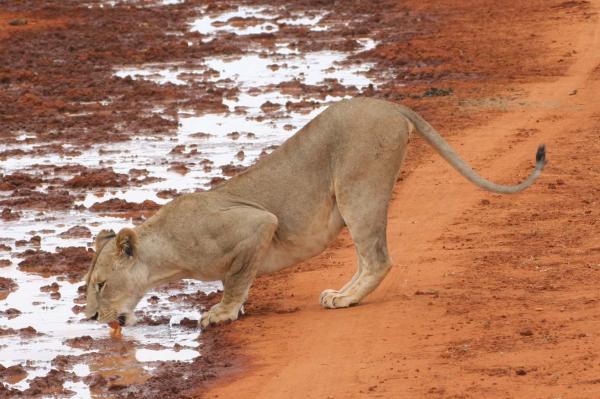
{"points": [[332, 299]]}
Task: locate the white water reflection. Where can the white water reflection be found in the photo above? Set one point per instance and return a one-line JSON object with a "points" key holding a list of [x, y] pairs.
{"points": [[147, 355], [247, 20], [212, 24], [161, 74]]}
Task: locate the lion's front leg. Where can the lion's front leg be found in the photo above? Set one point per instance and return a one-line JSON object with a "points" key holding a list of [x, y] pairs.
{"points": [[235, 292], [248, 253]]}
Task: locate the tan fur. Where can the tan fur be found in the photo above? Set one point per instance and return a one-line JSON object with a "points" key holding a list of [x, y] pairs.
{"points": [[339, 170], [102, 237]]}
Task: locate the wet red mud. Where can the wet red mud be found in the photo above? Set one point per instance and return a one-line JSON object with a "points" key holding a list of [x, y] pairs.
{"points": [[24, 332], [98, 178], [72, 262], [53, 199], [459, 63]]}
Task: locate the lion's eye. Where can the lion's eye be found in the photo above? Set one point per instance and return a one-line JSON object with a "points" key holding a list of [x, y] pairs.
{"points": [[99, 286]]}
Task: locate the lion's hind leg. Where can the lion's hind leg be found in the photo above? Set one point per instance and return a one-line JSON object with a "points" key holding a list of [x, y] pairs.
{"points": [[362, 198], [368, 230]]}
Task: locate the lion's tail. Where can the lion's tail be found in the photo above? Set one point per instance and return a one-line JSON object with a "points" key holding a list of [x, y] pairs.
{"points": [[444, 149]]}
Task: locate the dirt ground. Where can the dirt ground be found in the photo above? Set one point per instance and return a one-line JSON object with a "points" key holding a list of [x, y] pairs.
{"points": [[490, 296]]}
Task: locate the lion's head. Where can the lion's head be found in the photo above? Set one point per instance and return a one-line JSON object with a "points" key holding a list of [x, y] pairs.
{"points": [[116, 279]]}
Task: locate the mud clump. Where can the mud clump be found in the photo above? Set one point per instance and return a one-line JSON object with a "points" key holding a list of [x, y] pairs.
{"points": [[71, 262], [232, 170], [54, 287], [77, 309], [10, 313], [6, 287], [50, 384], [201, 135], [140, 177], [199, 299], [54, 199], [8, 214], [12, 374], [150, 321], [23, 332], [166, 194], [119, 205], [8, 393], [95, 381], [19, 180], [179, 167], [76, 232], [302, 106], [83, 342], [98, 178], [269, 107], [215, 181], [189, 323]]}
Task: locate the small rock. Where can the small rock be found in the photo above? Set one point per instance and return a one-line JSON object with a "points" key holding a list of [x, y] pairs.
{"points": [[76, 232], [189, 323], [520, 371], [18, 22]]}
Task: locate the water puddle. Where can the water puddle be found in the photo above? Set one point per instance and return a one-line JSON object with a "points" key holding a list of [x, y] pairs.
{"points": [[251, 20], [260, 117]]}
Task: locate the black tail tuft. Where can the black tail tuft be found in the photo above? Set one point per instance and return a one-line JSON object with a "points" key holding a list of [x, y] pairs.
{"points": [[540, 156]]}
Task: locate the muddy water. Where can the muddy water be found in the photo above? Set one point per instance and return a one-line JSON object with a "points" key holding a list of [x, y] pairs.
{"points": [[260, 117]]}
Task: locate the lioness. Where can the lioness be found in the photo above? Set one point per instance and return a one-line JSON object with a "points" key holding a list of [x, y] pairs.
{"points": [[338, 170]]}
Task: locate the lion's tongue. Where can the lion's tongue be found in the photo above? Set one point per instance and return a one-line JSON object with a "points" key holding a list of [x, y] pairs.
{"points": [[115, 331]]}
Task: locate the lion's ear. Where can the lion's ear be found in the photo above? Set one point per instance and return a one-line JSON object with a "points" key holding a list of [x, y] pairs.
{"points": [[102, 237], [127, 242]]}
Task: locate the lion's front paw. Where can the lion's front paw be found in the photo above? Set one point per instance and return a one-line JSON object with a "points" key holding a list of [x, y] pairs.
{"points": [[219, 314], [332, 299]]}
